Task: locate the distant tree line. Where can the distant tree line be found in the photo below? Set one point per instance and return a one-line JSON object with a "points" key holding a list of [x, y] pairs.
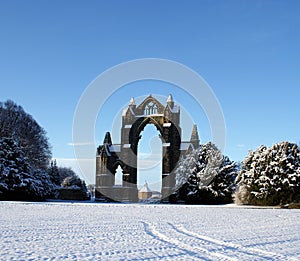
{"points": [[267, 176], [26, 169]]}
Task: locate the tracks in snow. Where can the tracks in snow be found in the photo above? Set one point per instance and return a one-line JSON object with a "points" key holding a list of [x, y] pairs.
{"points": [[193, 251], [206, 248]]}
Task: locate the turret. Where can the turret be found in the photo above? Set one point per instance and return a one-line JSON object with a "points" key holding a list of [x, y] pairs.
{"points": [[107, 139]]}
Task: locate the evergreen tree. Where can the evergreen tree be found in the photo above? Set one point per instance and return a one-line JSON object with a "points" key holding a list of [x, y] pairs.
{"points": [[270, 176], [54, 173], [46, 188], [205, 176], [17, 179]]}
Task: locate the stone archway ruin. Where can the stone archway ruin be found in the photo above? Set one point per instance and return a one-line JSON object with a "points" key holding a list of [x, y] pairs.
{"points": [[134, 119]]}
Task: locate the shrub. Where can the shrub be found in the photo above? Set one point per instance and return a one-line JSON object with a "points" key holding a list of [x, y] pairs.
{"points": [[270, 176]]}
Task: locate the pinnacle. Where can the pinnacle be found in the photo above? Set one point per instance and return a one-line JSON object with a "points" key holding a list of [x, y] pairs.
{"points": [[195, 135], [170, 98], [132, 102]]}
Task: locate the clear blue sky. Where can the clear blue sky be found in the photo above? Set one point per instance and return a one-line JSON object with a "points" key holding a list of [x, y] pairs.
{"points": [[247, 51]]}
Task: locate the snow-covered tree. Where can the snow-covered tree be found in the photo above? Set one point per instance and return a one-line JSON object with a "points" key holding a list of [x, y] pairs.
{"points": [[14, 169], [18, 181], [17, 124], [74, 182], [270, 176], [73, 187], [205, 176], [65, 172], [46, 189], [24, 156]]}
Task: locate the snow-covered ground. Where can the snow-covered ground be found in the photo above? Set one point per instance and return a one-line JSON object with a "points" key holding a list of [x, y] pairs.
{"points": [[55, 231]]}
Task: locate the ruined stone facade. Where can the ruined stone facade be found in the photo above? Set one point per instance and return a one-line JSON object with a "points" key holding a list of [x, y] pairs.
{"points": [[134, 119]]}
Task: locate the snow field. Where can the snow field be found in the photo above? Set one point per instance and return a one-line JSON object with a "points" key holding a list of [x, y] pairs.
{"points": [[85, 231]]}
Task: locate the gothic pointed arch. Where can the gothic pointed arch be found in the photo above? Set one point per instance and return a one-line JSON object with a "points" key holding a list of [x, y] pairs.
{"points": [[166, 119]]}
